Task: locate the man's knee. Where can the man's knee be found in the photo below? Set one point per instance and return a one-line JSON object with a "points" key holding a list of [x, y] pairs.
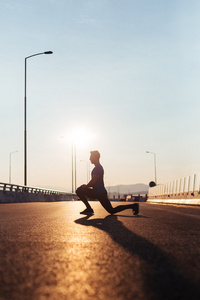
{"points": [[79, 190], [110, 211], [106, 204]]}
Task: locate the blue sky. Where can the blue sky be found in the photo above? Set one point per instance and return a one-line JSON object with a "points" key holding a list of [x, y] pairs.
{"points": [[125, 71]]}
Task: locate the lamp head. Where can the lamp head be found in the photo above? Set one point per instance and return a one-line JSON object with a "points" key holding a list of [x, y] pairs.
{"points": [[48, 52]]}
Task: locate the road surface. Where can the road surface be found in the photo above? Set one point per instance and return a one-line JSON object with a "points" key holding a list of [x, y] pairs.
{"points": [[50, 251]]}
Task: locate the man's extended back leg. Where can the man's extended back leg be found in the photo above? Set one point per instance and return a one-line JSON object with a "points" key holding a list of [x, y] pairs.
{"points": [[113, 210], [103, 199]]}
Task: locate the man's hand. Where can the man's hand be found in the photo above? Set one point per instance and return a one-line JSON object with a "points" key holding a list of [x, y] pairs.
{"points": [[83, 185], [93, 181]]}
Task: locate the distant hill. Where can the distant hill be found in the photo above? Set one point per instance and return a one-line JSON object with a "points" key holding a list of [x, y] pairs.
{"points": [[138, 188]]}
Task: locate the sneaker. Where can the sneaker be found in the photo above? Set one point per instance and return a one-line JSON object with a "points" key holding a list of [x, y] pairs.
{"points": [[87, 211], [135, 208]]}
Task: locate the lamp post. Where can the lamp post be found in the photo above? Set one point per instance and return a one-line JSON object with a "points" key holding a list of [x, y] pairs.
{"points": [[77, 136], [154, 164], [73, 166], [25, 131], [88, 168], [10, 165]]}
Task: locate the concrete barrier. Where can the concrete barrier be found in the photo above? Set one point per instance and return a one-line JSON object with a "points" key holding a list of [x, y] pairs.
{"points": [[184, 190]]}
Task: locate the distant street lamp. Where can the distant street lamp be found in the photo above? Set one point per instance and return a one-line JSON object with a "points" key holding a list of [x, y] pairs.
{"points": [[73, 166], [88, 169], [10, 165], [25, 131], [154, 164], [77, 136]]}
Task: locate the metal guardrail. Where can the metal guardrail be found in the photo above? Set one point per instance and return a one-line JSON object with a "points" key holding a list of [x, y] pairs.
{"points": [[182, 187], [7, 187]]}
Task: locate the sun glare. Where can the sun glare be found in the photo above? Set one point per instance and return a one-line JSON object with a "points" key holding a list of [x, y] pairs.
{"points": [[80, 136]]}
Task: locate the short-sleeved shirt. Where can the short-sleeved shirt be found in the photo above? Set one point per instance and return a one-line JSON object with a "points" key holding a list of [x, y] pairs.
{"points": [[99, 187]]}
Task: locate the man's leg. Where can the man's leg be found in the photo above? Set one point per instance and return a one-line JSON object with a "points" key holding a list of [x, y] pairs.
{"points": [[113, 210], [83, 192]]}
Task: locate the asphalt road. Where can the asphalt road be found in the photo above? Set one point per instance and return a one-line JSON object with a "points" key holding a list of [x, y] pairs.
{"points": [[50, 251]]}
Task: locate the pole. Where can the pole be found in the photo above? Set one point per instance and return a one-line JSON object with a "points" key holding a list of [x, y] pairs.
{"points": [[87, 169], [155, 168], [72, 167], [10, 169], [25, 130], [154, 164], [75, 163]]}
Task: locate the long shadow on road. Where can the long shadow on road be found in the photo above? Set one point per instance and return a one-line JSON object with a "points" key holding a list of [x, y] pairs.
{"points": [[162, 276]]}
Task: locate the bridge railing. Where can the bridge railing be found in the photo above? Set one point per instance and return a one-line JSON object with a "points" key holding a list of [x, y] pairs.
{"points": [[185, 187], [7, 187], [19, 193]]}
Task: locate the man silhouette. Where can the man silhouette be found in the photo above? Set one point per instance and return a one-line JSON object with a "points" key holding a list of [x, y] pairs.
{"points": [[95, 189]]}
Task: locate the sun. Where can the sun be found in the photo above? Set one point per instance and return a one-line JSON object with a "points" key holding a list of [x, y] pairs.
{"points": [[80, 136]]}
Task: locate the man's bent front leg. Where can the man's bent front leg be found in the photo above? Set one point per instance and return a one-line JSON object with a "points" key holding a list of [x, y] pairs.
{"points": [[81, 193]]}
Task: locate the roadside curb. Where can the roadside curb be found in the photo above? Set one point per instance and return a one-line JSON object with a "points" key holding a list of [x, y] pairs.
{"points": [[176, 201]]}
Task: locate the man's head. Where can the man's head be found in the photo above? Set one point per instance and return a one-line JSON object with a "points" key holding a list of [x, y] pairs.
{"points": [[94, 157]]}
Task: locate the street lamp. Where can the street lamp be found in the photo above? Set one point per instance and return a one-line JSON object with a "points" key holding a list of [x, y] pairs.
{"points": [[88, 169], [25, 131], [73, 166], [154, 163], [10, 165], [77, 136]]}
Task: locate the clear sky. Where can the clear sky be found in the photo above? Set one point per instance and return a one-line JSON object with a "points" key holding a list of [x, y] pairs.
{"points": [[127, 72]]}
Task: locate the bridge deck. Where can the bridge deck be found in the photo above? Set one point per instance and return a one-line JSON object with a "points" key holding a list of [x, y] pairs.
{"points": [[50, 251]]}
